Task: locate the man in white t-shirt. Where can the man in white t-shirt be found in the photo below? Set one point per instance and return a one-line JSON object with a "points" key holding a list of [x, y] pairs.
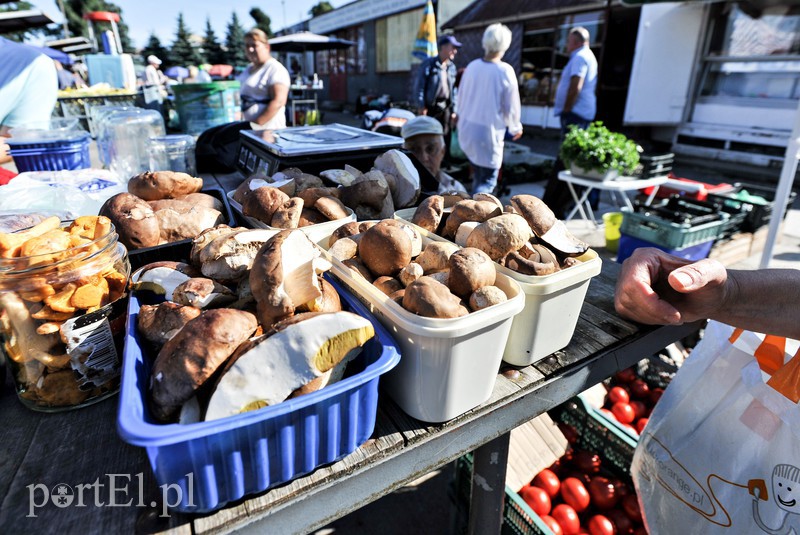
{"points": [[264, 85]]}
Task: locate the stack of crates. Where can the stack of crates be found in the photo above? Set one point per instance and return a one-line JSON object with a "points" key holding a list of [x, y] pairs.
{"points": [[752, 203]]}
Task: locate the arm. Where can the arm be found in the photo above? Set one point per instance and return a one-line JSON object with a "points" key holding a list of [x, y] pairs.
{"points": [[575, 86], [513, 108], [280, 95], [657, 288]]}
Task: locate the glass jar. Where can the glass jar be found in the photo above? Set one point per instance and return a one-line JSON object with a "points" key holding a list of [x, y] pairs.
{"points": [[62, 314], [174, 152], [126, 134]]}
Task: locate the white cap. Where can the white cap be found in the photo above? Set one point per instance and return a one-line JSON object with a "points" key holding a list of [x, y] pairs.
{"points": [[422, 124], [153, 59]]}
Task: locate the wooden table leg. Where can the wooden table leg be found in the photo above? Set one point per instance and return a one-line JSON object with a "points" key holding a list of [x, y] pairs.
{"points": [[489, 487]]}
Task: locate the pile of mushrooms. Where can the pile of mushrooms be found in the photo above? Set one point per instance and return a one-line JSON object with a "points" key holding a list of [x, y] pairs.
{"points": [[248, 323]]}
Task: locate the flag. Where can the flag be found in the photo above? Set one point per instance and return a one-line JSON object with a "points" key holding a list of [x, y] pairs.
{"points": [[425, 44]]}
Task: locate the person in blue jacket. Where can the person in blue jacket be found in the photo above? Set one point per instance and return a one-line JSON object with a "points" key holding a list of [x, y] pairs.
{"points": [[28, 86], [435, 87]]}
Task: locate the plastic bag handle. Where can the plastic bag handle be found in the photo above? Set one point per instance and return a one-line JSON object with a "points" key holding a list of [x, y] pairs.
{"points": [[786, 379]]}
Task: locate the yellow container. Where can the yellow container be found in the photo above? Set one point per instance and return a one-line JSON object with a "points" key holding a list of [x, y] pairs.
{"points": [[612, 222]]}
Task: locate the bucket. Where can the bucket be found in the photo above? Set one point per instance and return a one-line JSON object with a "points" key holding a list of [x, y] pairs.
{"points": [[612, 222], [53, 155], [201, 106]]}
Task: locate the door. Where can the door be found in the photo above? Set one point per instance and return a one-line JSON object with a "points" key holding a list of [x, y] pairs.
{"points": [[338, 76]]}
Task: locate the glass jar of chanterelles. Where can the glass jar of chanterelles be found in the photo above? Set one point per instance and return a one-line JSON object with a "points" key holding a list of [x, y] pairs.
{"points": [[62, 311]]}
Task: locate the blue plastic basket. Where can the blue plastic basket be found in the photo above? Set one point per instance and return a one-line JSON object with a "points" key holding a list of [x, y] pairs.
{"points": [[55, 155], [627, 244], [220, 461]]}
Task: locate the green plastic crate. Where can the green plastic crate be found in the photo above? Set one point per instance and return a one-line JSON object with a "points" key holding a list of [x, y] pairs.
{"points": [[595, 433], [668, 234]]}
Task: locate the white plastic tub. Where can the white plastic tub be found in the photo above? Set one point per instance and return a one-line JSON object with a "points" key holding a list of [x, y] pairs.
{"points": [[447, 366], [316, 232], [552, 306]]}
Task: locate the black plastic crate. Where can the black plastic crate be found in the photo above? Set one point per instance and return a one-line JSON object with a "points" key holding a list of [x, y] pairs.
{"points": [[655, 165], [756, 214]]}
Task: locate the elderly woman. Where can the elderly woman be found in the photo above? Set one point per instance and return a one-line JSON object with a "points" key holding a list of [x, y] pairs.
{"points": [[488, 104], [264, 84]]}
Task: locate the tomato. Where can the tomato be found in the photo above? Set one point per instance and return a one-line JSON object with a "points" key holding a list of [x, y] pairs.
{"points": [[618, 394], [569, 432], [586, 461], [547, 480], [623, 412], [537, 499], [622, 487], [630, 504], [603, 492], [607, 413], [621, 521], [567, 518], [655, 395], [575, 494], [639, 408], [551, 523], [640, 389], [640, 424], [625, 376], [600, 525]]}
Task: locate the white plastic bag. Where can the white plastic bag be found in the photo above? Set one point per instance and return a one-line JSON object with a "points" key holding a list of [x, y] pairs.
{"points": [[721, 451]]}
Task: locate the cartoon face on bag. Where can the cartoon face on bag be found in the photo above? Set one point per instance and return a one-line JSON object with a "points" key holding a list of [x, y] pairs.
{"points": [[786, 487]]}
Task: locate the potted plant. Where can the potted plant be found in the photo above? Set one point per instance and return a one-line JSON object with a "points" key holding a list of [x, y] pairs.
{"points": [[596, 152]]}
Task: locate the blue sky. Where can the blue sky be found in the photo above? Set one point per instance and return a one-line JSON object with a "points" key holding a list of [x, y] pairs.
{"points": [[161, 16]]}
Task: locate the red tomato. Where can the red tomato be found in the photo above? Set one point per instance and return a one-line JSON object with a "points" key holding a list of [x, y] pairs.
{"points": [[580, 476], [618, 394], [625, 376], [639, 408], [621, 521], [640, 389], [567, 518], [622, 488], [554, 526], [655, 395], [569, 432], [537, 499], [623, 412], [640, 424], [575, 494], [600, 525], [586, 461], [603, 492], [547, 480], [631, 507]]}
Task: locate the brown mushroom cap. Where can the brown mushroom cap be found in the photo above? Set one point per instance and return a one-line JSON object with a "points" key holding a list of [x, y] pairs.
{"points": [[159, 323], [154, 185], [432, 299], [486, 296], [348, 229], [429, 213], [469, 210], [310, 216], [538, 215], [262, 203], [385, 248], [500, 235], [288, 214], [470, 269], [331, 207], [134, 220]]}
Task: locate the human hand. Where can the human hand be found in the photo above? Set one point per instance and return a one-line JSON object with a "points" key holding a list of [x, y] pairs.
{"points": [[454, 119], [657, 288], [516, 136], [422, 111]]}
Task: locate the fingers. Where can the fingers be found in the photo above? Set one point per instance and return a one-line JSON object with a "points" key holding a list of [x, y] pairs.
{"points": [[693, 277], [636, 298]]}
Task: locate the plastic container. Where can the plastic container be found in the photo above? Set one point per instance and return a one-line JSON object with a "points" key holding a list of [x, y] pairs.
{"points": [[317, 233], [172, 153], [756, 213], [449, 366], [648, 227], [656, 165], [687, 188], [627, 244], [58, 155], [62, 320], [612, 221], [201, 106], [552, 305], [217, 462], [126, 134]]}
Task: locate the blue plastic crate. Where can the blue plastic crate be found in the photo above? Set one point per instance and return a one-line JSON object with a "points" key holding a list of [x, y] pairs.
{"points": [[55, 155], [220, 461], [627, 244]]}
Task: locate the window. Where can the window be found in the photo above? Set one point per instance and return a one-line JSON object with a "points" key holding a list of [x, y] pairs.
{"points": [[757, 59], [391, 53], [352, 60], [544, 53]]}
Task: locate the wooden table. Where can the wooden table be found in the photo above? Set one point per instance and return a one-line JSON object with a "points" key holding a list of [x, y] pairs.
{"points": [[39, 451]]}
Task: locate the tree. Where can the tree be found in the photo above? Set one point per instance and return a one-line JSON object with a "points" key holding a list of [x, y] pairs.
{"points": [[234, 42], [155, 48], [319, 9], [75, 9], [213, 49], [263, 21], [183, 52]]}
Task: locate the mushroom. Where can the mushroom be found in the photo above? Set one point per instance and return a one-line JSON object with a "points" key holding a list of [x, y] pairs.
{"points": [[202, 293], [470, 269], [262, 203], [369, 196], [387, 285], [410, 273], [428, 214], [154, 185], [207, 236], [288, 214], [500, 235], [230, 256], [546, 226], [469, 210], [331, 207], [435, 256], [405, 177], [432, 299], [159, 323], [163, 277], [135, 222], [385, 248], [486, 296], [348, 229], [328, 301], [179, 220]]}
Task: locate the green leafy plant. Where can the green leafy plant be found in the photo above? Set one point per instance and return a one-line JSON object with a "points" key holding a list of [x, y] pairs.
{"points": [[598, 148]]}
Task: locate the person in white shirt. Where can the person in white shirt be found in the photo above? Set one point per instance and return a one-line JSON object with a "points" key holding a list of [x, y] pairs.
{"points": [[424, 137], [264, 84], [488, 105], [155, 84]]}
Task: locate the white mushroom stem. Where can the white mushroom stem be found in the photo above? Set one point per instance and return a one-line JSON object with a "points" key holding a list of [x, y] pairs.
{"points": [[463, 232]]}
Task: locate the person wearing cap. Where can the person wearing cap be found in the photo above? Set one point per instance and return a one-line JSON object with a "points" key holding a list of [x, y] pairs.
{"points": [[264, 84], [436, 80], [154, 83], [489, 106], [423, 136]]}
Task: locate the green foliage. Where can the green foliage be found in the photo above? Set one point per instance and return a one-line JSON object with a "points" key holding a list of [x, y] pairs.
{"points": [[214, 53], [319, 9], [155, 48], [234, 43], [183, 52], [598, 148], [263, 21]]}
